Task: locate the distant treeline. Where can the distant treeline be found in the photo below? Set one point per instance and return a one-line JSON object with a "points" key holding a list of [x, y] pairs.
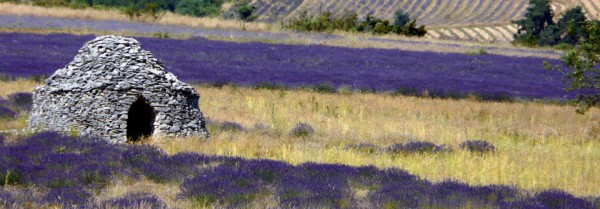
{"points": [[401, 25], [538, 27], [198, 8]]}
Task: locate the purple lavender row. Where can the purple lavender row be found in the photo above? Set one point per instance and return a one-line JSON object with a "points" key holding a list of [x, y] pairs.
{"points": [[34, 22], [50, 169], [199, 60]]}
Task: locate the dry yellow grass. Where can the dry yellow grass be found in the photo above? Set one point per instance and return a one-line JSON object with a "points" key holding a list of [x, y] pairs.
{"points": [[539, 146], [112, 14], [167, 192], [9, 87], [19, 85]]}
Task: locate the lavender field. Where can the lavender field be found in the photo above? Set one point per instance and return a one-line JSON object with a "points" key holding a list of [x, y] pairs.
{"points": [[51, 169], [199, 60]]}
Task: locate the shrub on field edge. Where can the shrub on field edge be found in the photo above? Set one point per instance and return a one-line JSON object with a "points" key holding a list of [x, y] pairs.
{"points": [[232, 126], [199, 8], [21, 100], [479, 146], [6, 113], [302, 130], [324, 88], [135, 200], [269, 86], [245, 11], [364, 148], [415, 147]]}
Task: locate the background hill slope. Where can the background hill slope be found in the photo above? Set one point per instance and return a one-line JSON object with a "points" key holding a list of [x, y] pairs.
{"points": [[479, 20]]}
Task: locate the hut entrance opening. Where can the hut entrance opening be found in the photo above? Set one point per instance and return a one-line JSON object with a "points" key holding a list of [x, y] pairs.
{"points": [[140, 121]]}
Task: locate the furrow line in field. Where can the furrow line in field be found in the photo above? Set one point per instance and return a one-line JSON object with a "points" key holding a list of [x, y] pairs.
{"points": [[420, 9], [411, 9], [480, 11], [591, 7], [430, 8], [490, 12], [472, 34], [433, 34], [496, 35], [380, 5], [360, 7], [435, 12], [448, 14], [261, 7], [519, 11], [469, 9], [500, 14], [505, 33]]}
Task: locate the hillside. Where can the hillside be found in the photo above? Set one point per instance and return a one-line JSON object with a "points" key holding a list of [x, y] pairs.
{"points": [[478, 20]]}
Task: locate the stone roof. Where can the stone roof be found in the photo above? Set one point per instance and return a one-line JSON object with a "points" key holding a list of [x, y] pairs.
{"points": [[113, 63]]}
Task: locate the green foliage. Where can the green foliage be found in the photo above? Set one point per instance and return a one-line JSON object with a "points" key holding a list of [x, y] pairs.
{"points": [[583, 60], [572, 25], [401, 18], [140, 5], [481, 51], [324, 88], [199, 8], [538, 17], [412, 30], [244, 11], [50, 3], [538, 27], [549, 36], [350, 22], [137, 11], [563, 46], [9, 178], [161, 35]]}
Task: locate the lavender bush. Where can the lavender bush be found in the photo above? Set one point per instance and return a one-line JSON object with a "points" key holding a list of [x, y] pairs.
{"points": [[72, 168], [16, 103], [560, 199], [302, 130], [478, 146], [21, 100], [204, 61], [231, 126], [415, 147], [6, 113], [50, 169], [134, 200]]}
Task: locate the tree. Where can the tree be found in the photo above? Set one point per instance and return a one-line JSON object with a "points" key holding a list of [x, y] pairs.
{"points": [[199, 8], [401, 18], [538, 17], [412, 30], [245, 10], [583, 60], [572, 25]]}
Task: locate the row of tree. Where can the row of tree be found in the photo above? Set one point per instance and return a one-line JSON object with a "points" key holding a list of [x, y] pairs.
{"points": [[401, 25], [154, 8], [538, 27]]}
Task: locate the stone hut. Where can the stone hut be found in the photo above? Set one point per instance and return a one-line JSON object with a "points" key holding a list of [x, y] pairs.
{"points": [[115, 90]]}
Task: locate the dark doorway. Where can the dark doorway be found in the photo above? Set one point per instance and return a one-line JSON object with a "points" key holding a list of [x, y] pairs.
{"points": [[140, 122]]}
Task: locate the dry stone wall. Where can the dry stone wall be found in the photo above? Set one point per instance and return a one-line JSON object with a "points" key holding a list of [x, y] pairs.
{"points": [[93, 94]]}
